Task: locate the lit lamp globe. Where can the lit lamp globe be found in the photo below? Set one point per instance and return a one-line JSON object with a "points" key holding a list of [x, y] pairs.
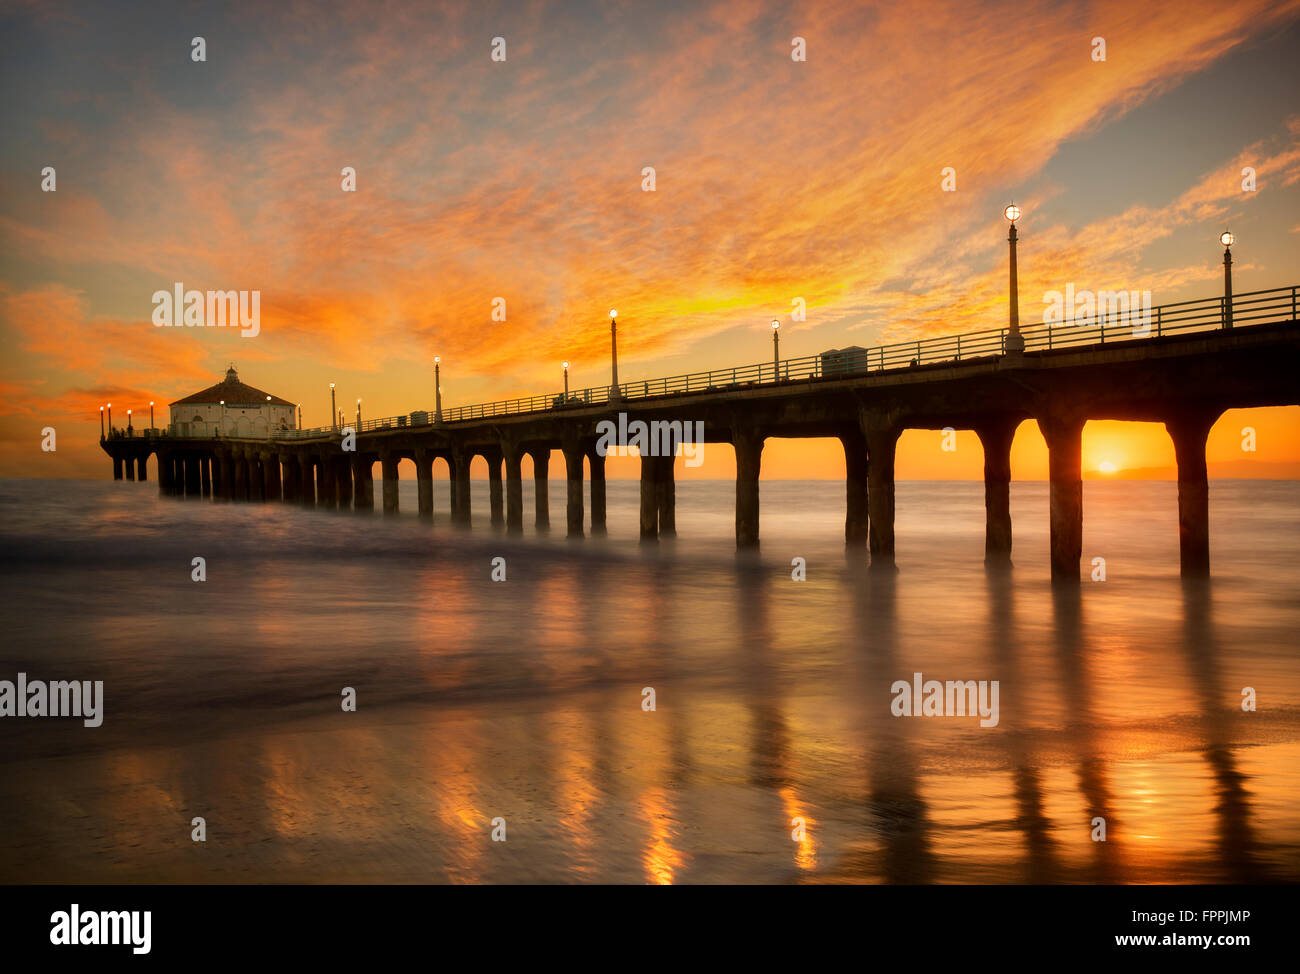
{"points": [[1226, 238], [775, 324], [613, 313], [1012, 213]]}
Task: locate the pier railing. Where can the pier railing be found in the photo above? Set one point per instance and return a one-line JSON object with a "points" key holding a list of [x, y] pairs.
{"points": [[1108, 325]]}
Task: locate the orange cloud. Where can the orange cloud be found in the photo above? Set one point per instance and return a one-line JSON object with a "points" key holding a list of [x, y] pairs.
{"points": [[522, 180]]}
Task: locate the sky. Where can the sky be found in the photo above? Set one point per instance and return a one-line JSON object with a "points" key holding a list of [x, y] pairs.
{"points": [[523, 179]]}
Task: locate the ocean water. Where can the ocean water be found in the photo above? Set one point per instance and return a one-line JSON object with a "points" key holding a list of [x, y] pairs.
{"points": [[771, 754]]}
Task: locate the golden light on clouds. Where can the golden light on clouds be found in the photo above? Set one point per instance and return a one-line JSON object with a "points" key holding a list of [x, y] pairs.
{"points": [[776, 180]]}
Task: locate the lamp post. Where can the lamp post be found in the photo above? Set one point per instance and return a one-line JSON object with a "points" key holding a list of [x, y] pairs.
{"points": [[299, 415], [1015, 343], [1226, 238], [150, 415], [566, 381], [358, 414], [110, 419], [221, 430], [437, 388], [128, 423], [334, 412], [614, 391], [101, 422], [776, 348]]}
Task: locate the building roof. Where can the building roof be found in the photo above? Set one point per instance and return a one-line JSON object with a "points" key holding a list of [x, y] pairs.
{"points": [[233, 393]]}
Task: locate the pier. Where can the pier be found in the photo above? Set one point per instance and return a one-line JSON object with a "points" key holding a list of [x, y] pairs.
{"points": [[1196, 360]]}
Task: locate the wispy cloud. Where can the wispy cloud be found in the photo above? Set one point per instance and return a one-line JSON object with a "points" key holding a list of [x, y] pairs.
{"points": [[522, 179]]}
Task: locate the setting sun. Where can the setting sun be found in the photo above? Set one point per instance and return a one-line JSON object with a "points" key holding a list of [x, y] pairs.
{"points": [[1106, 467]]}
